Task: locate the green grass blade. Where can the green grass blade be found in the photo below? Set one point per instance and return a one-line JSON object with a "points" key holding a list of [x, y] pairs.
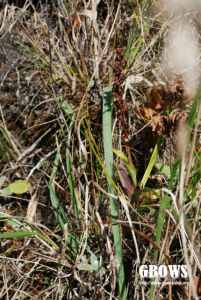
{"points": [[56, 163], [62, 218], [5, 140], [160, 221], [70, 175], [14, 222], [134, 13], [130, 43], [174, 174], [192, 114], [58, 209], [151, 162], [19, 234], [21, 224], [107, 136], [43, 236], [134, 30], [137, 48]]}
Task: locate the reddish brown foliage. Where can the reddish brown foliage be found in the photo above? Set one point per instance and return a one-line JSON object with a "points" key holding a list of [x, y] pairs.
{"points": [[159, 99]]}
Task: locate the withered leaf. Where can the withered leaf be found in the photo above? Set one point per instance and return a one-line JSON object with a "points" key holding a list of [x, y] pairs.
{"points": [[158, 123], [126, 182], [156, 97], [145, 113], [176, 116]]}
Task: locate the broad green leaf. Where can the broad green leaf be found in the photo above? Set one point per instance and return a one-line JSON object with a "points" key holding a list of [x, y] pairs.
{"points": [[19, 186], [85, 267], [163, 169], [102, 271], [93, 267], [132, 171], [94, 262]]}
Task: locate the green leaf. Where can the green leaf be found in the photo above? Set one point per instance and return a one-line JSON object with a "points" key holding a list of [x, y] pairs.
{"points": [[152, 210], [174, 174], [85, 267], [129, 166], [121, 155], [67, 108], [163, 169], [6, 192], [19, 186], [94, 262], [93, 267], [2, 179], [102, 271]]}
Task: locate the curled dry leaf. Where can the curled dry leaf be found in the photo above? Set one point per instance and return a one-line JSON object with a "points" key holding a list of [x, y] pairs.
{"points": [[159, 123], [178, 116], [159, 99], [145, 113], [156, 97]]}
